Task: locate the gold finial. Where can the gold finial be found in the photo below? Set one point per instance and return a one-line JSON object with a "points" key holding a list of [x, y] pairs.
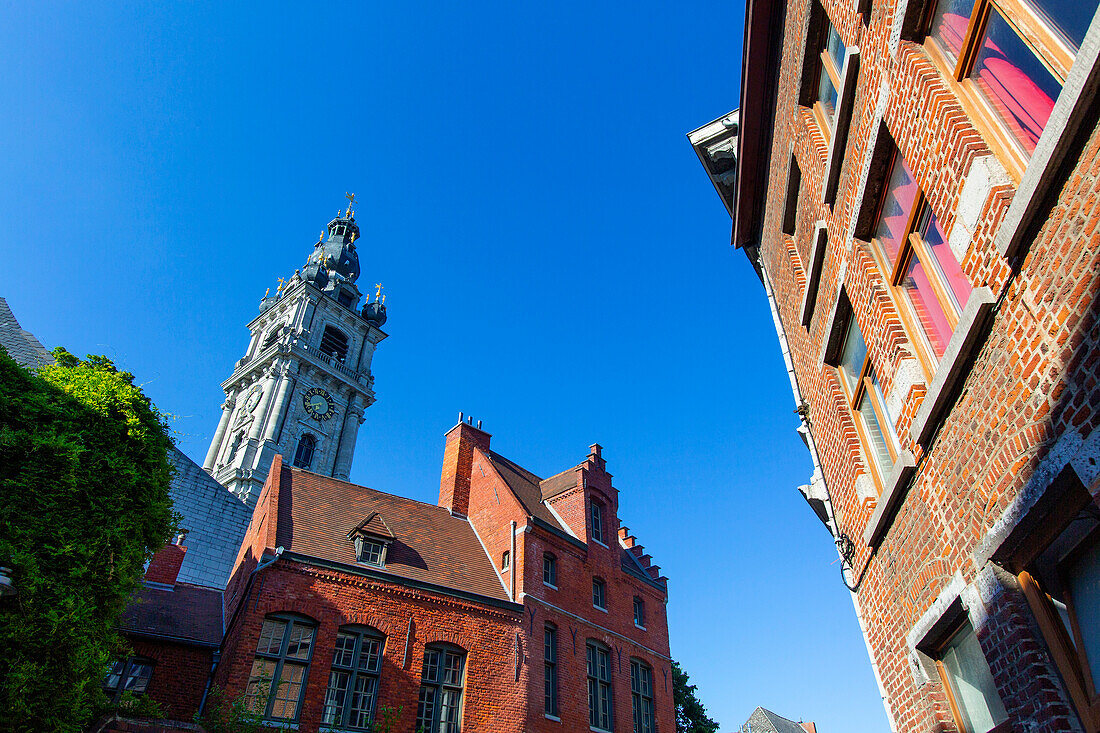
{"points": [[267, 292], [378, 293], [321, 238], [282, 282], [383, 300], [351, 203]]}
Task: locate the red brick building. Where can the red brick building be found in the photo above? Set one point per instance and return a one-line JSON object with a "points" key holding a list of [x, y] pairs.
{"points": [[174, 630], [916, 186], [516, 604]]}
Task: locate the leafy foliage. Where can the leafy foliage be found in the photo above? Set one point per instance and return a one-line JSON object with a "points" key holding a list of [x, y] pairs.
{"points": [[691, 716], [84, 502], [225, 714]]}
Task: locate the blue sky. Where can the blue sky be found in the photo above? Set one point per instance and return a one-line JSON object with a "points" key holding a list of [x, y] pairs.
{"points": [[556, 263]]}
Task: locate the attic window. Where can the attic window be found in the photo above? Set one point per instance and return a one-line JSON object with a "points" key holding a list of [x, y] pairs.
{"points": [[372, 539], [370, 551]]}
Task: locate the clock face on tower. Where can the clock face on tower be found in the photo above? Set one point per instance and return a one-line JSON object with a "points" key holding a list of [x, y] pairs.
{"points": [[318, 403]]}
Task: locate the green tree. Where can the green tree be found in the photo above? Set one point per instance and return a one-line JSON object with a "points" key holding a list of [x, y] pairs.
{"points": [[691, 716], [84, 503]]}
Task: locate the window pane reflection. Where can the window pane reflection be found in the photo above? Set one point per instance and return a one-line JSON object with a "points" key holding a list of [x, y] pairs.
{"points": [[1019, 87]]}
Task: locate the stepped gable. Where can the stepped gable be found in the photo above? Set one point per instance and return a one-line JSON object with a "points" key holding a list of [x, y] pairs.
{"points": [[316, 513], [21, 345], [532, 492]]}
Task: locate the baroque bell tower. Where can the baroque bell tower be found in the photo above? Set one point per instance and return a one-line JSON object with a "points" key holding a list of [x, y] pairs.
{"points": [[305, 380]]}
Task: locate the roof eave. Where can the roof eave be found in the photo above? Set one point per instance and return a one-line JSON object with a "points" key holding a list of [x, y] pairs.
{"points": [[401, 580], [757, 119]]}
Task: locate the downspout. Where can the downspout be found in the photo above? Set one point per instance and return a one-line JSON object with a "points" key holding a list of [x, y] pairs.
{"points": [[512, 564], [264, 563], [784, 348]]}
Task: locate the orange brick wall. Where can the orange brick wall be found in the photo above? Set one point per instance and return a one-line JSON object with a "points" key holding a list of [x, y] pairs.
{"points": [[1036, 377]]}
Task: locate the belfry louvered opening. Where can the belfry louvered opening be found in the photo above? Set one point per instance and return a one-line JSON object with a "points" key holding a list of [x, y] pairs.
{"points": [[335, 343]]}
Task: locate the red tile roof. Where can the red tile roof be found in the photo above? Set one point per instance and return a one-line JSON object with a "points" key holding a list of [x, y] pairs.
{"points": [[316, 513]]}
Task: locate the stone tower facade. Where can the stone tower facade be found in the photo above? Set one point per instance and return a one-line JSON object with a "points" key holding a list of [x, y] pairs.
{"points": [[302, 386]]}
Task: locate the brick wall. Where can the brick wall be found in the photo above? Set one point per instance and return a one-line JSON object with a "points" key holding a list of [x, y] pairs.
{"points": [[179, 676], [493, 699], [1033, 385]]}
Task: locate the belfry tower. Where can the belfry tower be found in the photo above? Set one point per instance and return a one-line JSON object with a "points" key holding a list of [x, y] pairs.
{"points": [[305, 380]]}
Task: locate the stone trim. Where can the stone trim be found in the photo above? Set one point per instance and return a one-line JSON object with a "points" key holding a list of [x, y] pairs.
{"points": [[1043, 174], [893, 491], [951, 371], [813, 275], [841, 125], [1081, 455], [945, 610]]}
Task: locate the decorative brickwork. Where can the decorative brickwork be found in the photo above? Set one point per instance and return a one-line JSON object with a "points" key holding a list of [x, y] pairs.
{"points": [[1016, 393], [294, 560]]}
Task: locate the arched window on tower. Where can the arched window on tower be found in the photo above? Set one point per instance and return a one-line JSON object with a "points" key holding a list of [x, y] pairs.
{"points": [[334, 343], [303, 457]]}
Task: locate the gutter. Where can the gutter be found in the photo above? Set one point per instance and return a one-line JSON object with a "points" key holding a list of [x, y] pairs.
{"points": [[811, 445]]}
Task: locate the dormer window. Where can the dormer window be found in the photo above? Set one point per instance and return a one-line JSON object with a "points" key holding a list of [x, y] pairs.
{"points": [[372, 538], [370, 551]]}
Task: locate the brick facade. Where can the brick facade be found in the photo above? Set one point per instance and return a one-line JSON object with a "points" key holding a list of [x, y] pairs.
{"points": [[493, 700], [993, 436], [497, 619]]}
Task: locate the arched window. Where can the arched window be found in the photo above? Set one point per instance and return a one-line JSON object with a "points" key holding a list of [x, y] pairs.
{"points": [[439, 708], [353, 681], [278, 676], [506, 560], [303, 457], [599, 594], [234, 445], [641, 695], [599, 686], [550, 569], [597, 521], [334, 343]]}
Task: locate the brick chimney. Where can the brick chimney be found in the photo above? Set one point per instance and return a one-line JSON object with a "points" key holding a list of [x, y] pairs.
{"points": [[809, 727], [165, 566], [458, 461]]}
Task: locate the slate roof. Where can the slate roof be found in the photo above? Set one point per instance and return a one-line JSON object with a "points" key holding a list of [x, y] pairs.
{"points": [[21, 345], [215, 521], [763, 720], [526, 486], [316, 513], [189, 613], [559, 483]]}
